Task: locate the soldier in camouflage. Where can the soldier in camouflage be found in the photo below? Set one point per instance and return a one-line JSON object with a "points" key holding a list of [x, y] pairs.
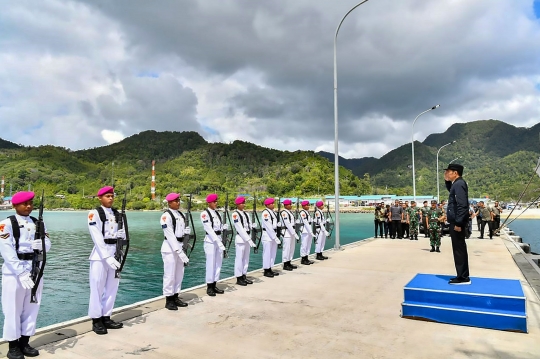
{"points": [[413, 221], [434, 216]]}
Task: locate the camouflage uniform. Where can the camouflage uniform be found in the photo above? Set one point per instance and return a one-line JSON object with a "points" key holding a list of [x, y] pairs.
{"points": [[413, 222], [434, 227]]}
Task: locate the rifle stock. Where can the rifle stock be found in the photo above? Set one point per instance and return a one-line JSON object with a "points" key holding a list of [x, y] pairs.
{"points": [[256, 233], [188, 244], [226, 233], [121, 253], [279, 231], [298, 224], [329, 220], [40, 257]]}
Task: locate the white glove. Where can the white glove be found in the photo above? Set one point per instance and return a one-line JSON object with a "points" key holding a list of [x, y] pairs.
{"points": [[113, 263], [121, 234], [277, 240], [225, 226], [296, 236], [221, 246], [253, 225], [326, 233], [187, 230], [37, 245], [251, 244], [183, 257], [26, 281]]}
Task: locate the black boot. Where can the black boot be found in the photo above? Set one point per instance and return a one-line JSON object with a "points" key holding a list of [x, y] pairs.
{"points": [[98, 327], [210, 289], [324, 257], [111, 324], [287, 266], [217, 290], [169, 303], [274, 272], [305, 261], [26, 349], [416, 237], [319, 257], [14, 351], [247, 280], [178, 301], [240, 281], [268, 273], [292, 265], [432, 249], [437, 250]]}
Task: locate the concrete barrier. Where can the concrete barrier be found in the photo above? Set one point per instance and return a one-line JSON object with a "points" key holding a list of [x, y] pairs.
{"points": [[525, 247]]}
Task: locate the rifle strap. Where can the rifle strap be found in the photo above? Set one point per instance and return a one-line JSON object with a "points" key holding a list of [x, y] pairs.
{"points": [[103, 218], [212, 218], [16, 230], [173, 219]]}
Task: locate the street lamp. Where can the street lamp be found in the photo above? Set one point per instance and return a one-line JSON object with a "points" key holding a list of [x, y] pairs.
{"points": [[455, 159], [412, 142], [336, 154], [438, 189]]}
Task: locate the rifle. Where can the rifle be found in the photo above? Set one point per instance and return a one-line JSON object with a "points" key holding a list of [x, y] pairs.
{"points": [[298, 224], [39, 256], [254, 217], [227, 234], [314, 225], [121, 252], [187, 244], [329, 220], [279, 229]]}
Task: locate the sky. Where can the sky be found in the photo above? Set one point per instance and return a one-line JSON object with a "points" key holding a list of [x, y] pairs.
{"points": [[82, 74]]}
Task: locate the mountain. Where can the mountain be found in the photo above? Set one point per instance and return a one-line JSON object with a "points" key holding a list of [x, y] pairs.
{"points": [[499, 159], [185, 163], [8, 145]]}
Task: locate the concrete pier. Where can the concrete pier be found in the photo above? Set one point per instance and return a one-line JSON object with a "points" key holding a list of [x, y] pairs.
{"points": [[345, 307]]}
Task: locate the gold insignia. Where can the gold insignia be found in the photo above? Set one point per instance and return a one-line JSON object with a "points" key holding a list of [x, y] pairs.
{"points": [[4, 236]]}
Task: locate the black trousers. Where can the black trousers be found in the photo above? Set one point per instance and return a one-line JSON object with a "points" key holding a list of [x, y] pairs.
{"points": [[380, 226], [395, 231], [426, 227], [490, 227], [405, 227], [386, 228], [478, 222], [496, 223], [459, 247]]}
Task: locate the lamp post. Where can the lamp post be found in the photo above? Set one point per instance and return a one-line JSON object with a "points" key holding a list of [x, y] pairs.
{"points": [[336, 153], [438, 188], [455, 159], [412, 143]]}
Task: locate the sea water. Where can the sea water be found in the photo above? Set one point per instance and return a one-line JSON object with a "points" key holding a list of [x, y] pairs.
{"points": [[529, 231], [66, 289]]}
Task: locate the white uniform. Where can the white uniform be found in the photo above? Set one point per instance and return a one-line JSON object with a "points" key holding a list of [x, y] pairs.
{"points": [[269, 238], [320, 224], [213, 247], [243, 226], [19, 314], [103, 284], [289, 237], [173, 266], [307, 233]]}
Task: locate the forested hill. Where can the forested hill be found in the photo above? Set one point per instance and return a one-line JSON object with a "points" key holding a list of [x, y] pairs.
{"points": [[185, 162], [498, 158]]}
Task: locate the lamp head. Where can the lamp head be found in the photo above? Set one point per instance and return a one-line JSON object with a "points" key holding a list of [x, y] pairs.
{"points": [[434, 107]]}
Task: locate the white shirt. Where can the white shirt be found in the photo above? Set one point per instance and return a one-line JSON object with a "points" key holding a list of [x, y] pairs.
{"points": [[211, 236], [102, 250], [171, 244], [269, 223], [238, 217]]}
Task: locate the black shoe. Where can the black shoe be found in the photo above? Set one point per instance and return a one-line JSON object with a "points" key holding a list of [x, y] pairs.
{"points": [[480, 237], [217, 290], [287, 266], [319, 257], [98, 327], [325, 257], [179, 302], [169, 303], [437, 250], [268, 273], [432, 249], [247, 280], [210, 289], [305, 261], [459, 281], [28, 351], [293, 266], [415, 238], [274, 273], [240, 281], [15, 353], [385, 236], [375, 236], [111, 324]]}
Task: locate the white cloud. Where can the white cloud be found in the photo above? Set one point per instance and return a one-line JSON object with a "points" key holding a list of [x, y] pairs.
{"points": [[112, 136]]}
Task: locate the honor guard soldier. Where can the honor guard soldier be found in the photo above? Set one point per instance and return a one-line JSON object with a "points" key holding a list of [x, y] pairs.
{"points": [[320, 229], [289, 237], [173, 223], [269, 238], [213, 246], [103, 227], [243, 242], [307, 233], [18, 246], [434, 217]]}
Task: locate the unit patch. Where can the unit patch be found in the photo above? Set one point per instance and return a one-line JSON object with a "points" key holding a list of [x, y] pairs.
{"points": [[90, 216], [164, 226], [2, 226]]}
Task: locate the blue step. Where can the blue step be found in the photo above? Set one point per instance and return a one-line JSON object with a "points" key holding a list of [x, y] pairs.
{"points": [[485, 303]]}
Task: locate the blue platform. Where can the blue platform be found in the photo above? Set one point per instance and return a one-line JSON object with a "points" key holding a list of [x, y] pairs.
{"points": [[485, 303]]}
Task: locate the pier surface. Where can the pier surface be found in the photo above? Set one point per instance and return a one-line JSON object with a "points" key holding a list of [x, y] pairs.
{"points": [[345, 307]]}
